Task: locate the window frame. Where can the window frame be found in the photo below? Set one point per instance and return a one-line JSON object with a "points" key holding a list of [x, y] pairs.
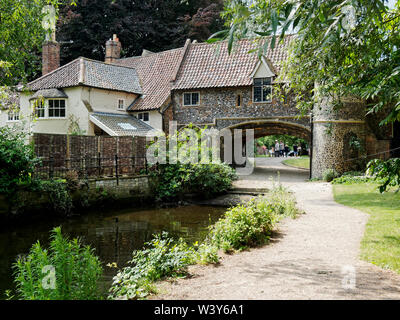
{"points": [[239, 98], [42, 107], [15, 114], [59, 108], [191, 99], [46, 107], [123, 104], [141, 116], [262, 95]]}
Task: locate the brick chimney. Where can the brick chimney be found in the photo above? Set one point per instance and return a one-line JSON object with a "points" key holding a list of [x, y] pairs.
{"points": [[50, 56], [113, 49]]}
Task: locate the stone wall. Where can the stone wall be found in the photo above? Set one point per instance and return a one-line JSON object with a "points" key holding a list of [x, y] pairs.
{"points": [[335, 132], [125, 186], [218, 108]]}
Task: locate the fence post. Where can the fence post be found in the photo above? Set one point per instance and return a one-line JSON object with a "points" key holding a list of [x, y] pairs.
{"points": [[51, 167], [99, 164], [133, 165], [116, 169]]}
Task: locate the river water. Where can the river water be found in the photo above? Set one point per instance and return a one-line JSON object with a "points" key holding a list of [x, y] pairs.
{"points": [[114, 235]]}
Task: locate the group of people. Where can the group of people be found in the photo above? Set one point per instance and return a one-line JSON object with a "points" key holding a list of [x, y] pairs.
{"points": [[280, 149]]}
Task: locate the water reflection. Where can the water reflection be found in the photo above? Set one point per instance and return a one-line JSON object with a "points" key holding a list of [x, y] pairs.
{"points": [[114, 235]]}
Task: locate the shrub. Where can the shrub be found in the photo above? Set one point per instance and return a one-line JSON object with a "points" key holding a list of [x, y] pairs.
{"points": [[174, 180], [251, 223], [206, 254], [77, 271], [17, 159], [243, 225], [387, 172], [329, 175], [59, 196], [160, 258]]}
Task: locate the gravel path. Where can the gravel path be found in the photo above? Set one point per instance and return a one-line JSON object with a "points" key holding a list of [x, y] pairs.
{"points": [[308, 258]]}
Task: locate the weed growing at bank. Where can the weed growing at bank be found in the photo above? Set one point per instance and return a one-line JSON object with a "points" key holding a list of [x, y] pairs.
{"points": [[245, 225]]}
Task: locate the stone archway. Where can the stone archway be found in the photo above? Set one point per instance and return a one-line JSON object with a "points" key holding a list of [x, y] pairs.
{"points": [[270, 127]]}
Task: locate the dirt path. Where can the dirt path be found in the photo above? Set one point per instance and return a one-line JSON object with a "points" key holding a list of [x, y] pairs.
{"points": [[308, 258]]}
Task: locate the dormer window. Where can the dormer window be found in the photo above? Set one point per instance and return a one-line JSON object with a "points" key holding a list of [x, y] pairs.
{"points": [[121, 104], [262, 90]]}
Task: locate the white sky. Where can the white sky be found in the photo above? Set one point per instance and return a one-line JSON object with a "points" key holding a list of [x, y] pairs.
{"points": [[391, 3]]}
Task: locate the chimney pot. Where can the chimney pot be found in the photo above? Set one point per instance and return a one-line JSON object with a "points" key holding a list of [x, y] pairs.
{"points": [[113, 49]]}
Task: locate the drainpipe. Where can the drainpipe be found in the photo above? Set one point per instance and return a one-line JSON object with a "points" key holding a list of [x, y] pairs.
{"points": [[162, 115]]}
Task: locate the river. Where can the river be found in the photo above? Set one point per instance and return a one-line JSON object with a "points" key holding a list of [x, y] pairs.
{"points": [[114, 235]]}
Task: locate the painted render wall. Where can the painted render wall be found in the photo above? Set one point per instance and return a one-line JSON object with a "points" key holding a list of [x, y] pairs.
{"points": [[100, 100], [155, 118]]}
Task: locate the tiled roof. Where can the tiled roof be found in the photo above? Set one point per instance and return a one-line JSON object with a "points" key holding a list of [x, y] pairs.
{"points": [[120, 124], [90, 73], [49, 93], [156, 71], [210, 65]]}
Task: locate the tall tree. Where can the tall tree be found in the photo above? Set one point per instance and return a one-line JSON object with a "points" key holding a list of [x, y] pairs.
{"points": [[154, 25], [22, 35], [348, 47]]}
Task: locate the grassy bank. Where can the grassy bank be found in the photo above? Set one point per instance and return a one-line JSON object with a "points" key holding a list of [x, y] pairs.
{"points": [[302, 162], [381, 242]]}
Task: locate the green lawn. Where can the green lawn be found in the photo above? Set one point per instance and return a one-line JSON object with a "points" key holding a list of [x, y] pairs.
{"points": [[302, 162], [381, 242]]}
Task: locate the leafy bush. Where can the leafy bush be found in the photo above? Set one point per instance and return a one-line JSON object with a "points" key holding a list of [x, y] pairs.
{"points": [[243, 226], [388, 172], [161, 257], [206, 254], [329, 175], [17, 159], [251, 223], [59, 196], [77, 271], [174, 180]]}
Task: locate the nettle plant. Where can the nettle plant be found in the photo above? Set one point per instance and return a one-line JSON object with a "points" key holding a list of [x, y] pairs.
{"points": [[66, 270]]}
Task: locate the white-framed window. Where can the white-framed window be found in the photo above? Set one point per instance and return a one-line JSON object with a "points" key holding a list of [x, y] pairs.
{"points": [[144, 116], [121, 104], [40, 110], [56, 108], [50, 108], [191, 98], [262, 90], [13, 114]]}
